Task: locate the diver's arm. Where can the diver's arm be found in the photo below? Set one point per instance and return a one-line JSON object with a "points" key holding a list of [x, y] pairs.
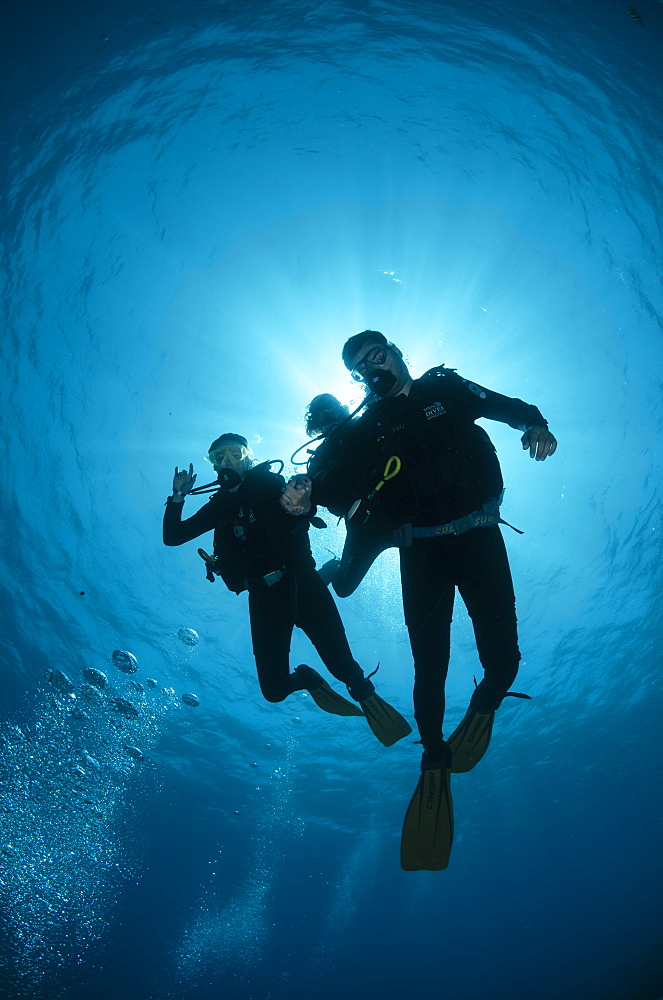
{"points": [[476, 402], [483, 402], [522, 417], [519, 415], [176, 531]]}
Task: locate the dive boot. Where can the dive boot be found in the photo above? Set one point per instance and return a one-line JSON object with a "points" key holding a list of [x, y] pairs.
{"points": [[469, 741], [329, 570], [323, 695], [428, 829]]}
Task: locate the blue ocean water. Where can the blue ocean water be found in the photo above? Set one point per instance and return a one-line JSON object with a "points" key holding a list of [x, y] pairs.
{"points": [[200, 203]]}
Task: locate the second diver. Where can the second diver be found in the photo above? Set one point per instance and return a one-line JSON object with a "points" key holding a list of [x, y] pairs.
{"points": [[265, 550]]}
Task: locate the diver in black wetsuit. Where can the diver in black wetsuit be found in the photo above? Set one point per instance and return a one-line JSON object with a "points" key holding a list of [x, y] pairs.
{"points": [[415, 471], [324, 415], [260, 548], [416, 464]]}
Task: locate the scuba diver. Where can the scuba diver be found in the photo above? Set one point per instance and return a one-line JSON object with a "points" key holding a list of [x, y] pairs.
{"points": [[328, 419], [414, 470], [324, 415], [260, 548]]}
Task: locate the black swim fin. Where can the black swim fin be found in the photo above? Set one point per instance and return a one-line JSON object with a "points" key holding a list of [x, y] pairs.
{"points": [[469, 741], [323, 695], [428, 829], [388, 725]]}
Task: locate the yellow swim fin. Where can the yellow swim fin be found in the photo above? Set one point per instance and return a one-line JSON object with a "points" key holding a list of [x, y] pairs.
{"points": [[469, 741], [323, 695], [388, 725], [428, 829]]}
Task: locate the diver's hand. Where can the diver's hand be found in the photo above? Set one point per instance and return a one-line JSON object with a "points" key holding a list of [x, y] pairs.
{"points": [[540, 442], [183, 481], [296, 496]]}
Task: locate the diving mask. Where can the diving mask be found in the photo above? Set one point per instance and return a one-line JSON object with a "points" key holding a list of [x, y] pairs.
{"points": [[230, 452], [376, 357]]}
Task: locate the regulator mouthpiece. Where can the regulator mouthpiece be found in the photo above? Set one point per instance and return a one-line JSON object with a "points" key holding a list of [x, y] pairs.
{"points": [[228, 479], [381, 381]]}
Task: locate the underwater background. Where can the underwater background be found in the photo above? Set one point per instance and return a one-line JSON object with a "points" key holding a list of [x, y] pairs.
{"points": [[200, 202]]}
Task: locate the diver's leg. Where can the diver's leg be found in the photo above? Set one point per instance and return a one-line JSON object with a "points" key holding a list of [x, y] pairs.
{"points": [[428, 596], [427, 579], [272, 617], [486, 587], [361, 549], [318, 617]]}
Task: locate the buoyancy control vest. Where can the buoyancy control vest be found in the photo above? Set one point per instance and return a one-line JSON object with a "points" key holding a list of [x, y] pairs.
{"points": [[257, 539]]}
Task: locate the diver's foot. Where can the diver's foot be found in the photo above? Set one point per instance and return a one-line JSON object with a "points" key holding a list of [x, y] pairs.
{"points": [[437, 756], [361, 689], [328, 570], [488, 697], [308, 679]]}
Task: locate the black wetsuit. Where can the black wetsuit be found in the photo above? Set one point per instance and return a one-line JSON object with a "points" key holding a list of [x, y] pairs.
{"points": [[449, 469], [262, 549]]}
